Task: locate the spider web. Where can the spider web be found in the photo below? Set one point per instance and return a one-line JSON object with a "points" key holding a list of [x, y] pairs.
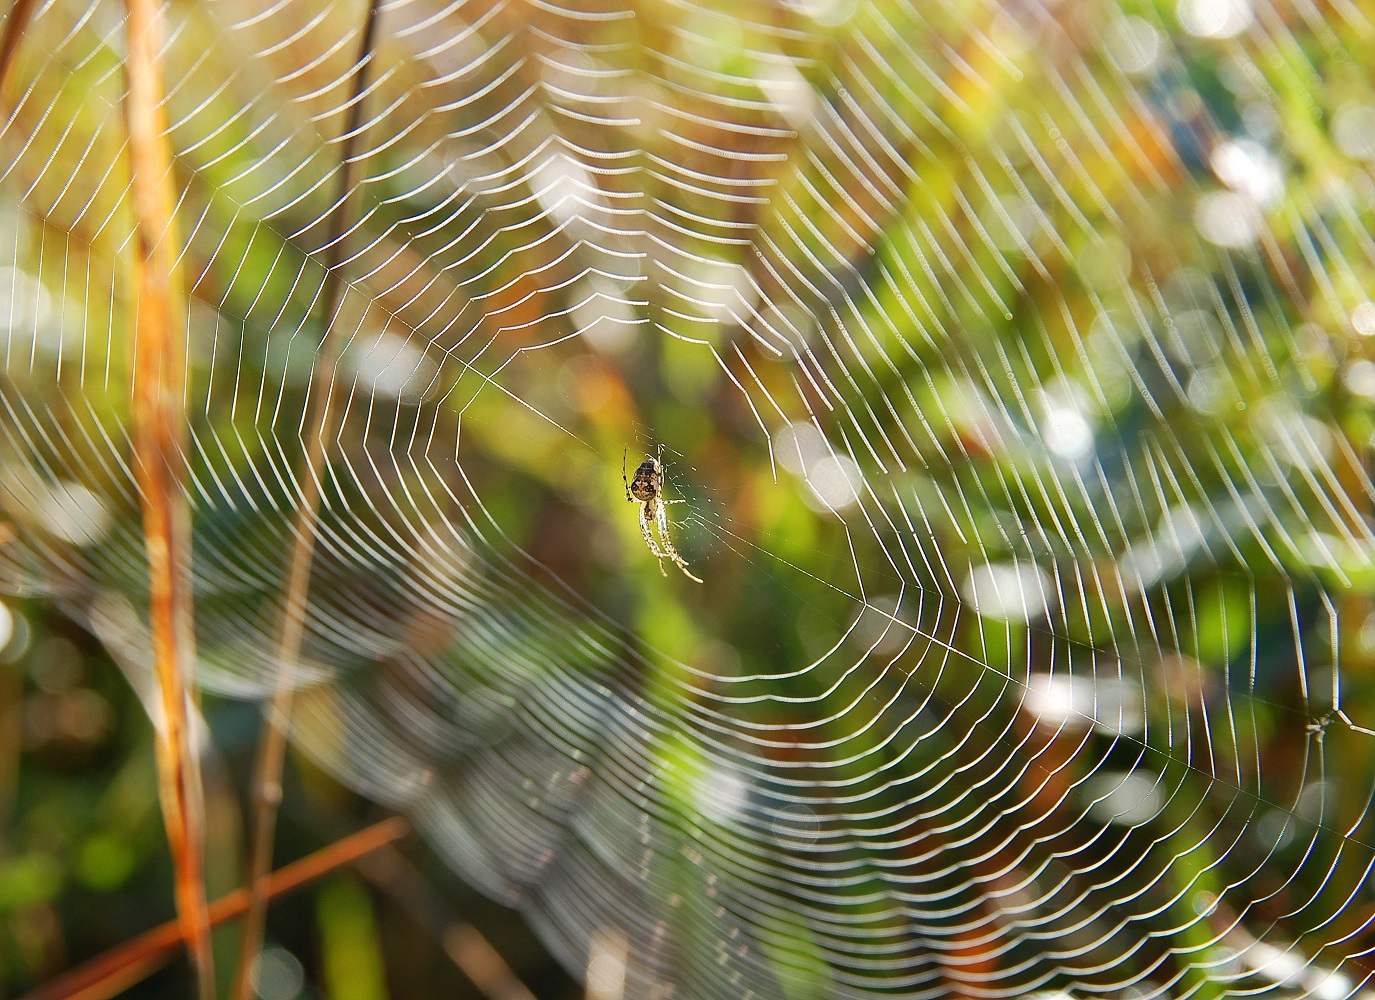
{"points": [[1013, 361]]}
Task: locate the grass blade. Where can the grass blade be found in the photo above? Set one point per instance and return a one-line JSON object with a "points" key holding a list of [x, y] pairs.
{"points": [[159, 429]]}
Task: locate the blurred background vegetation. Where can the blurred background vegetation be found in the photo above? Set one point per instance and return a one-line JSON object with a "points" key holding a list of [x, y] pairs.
{"points": [[86, 866], [1014, 363]]}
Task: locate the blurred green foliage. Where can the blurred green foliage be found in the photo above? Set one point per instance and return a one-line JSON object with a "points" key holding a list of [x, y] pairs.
{"points": [[1071, 299]]}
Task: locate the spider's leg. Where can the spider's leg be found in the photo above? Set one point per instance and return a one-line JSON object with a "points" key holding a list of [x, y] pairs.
{"points": [[628, 495], [650, 541], [669, 550], [682, 565], [661, 519]]}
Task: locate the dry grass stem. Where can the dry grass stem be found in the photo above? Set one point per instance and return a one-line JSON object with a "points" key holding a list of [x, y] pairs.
{"points": [[17, 20], [483, 964], [466, 946], [120, 968], [318, 428], [159, 432]]}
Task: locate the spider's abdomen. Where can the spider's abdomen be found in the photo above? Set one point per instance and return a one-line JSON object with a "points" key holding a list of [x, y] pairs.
{"points": [[644, 485]]}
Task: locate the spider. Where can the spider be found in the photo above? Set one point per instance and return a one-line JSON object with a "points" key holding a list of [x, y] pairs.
{"points": [[646, 488]]}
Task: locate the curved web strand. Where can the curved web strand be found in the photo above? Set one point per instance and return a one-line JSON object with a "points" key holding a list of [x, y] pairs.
{"points": [[1013, 362]]}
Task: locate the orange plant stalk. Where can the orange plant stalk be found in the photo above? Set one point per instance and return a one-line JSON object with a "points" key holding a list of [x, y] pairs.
{"points": [[159, 431], [122, 967], [15, 23]]}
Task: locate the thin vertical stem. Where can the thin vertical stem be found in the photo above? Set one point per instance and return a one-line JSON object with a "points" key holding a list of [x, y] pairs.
{"points": [[159, 430], [15, 23], [319, 425]]}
